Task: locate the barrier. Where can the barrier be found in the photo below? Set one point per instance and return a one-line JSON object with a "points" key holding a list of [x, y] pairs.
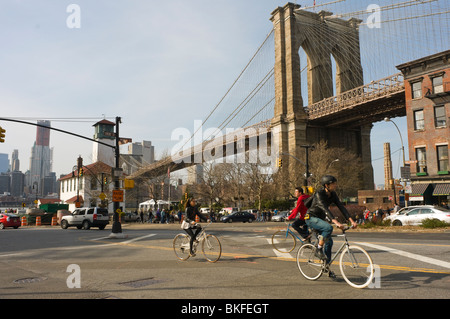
{"points": [[24, 221], [197, 219], [38, 220], [54, 221]]}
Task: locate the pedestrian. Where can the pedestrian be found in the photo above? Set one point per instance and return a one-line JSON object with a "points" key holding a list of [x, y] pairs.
{"points": [[142, 216], [150, 216]]}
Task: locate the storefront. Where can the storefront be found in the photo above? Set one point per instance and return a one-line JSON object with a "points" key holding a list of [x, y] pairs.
{"points": [[441, 194]]}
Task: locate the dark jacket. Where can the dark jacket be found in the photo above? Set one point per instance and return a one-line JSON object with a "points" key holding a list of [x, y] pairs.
{"points": [[190, 213], [320, 203]]}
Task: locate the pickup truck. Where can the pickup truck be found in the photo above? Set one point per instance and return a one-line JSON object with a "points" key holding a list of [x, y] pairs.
{"points": [[86, 217]]}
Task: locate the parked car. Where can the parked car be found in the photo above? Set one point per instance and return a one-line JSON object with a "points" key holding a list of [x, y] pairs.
{"points": [[238, 217], [9, 220], [132, 217], [416, 215], [404, 210], [86, 218], [281, 216]]}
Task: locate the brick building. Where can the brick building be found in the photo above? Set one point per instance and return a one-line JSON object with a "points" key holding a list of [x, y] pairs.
{"points": [[427, 90]]}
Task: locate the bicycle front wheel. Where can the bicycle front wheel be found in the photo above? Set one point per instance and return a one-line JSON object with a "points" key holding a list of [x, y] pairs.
{"points": [[356, 267], [283, 241], [212, 249], [309, 265], [181, 246]]}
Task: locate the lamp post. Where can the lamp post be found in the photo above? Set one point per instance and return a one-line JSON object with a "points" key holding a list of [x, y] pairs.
{"points": [[386, 119]]}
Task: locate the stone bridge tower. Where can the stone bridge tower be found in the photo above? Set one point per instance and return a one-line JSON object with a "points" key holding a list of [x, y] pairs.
{"points": [[323, 38]]}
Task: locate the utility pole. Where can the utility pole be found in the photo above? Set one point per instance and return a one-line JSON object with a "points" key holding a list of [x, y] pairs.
{"points": [[117, 227]]}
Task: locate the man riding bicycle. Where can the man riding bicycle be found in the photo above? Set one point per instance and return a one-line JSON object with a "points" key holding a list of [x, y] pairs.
{"points": [[318, 212], [299, 225]]}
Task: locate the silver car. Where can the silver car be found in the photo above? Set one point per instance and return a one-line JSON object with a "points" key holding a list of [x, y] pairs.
{"points": [[404, 210], [281, 216], [415, 216]]}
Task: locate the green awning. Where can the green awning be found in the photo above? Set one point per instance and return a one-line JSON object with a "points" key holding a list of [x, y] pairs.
{"points": [[441, 189], [418, 189]]}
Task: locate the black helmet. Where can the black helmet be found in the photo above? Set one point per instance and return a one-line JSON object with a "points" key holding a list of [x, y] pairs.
{"points": [[328, 179]]}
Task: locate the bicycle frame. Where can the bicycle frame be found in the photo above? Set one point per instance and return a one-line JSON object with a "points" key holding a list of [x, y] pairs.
{"points": [[341, 249], [288, 230], [201, 236]]}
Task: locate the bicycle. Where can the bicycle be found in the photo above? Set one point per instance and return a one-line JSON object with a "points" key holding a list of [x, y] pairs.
{"points": [[355, 263], [285, 240], [211, 247]]}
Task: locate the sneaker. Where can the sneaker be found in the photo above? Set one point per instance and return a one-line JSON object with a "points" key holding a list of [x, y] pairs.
{"points": [[192, 254], [307, 239], [331, 273], [319, 253]]}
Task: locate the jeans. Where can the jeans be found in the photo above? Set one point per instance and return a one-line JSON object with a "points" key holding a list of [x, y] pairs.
{"points": [[325, 231]]}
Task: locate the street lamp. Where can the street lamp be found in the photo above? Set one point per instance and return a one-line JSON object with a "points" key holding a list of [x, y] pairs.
{"points": [[386, 119], [329, 165]]}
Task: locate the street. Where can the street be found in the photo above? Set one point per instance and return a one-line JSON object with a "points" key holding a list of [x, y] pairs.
{"points": [[49, 262]]}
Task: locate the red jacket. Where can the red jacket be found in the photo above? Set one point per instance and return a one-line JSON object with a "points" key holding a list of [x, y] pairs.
{"points": [[300, 208]]}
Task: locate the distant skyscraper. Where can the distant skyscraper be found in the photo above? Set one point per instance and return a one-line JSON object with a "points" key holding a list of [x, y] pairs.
{"points": [[4, 163], [15, 163], [41, 157]]}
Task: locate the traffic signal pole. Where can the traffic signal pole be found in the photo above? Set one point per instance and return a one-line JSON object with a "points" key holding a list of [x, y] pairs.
{"points": [[117, 227]]}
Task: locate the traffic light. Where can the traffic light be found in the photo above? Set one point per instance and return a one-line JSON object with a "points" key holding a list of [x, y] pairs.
{"points": [[280, 163], [105, 180], [81, 172], [2, 135]]}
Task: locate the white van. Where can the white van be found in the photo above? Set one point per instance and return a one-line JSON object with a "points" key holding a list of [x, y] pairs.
{"points": [[205, 210]]}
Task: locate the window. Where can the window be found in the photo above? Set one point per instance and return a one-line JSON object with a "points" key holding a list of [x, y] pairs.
{"points": [[419, 123], [93, 183], [369, 200], [439, 116], [426, 211], [421, 157], [438, 86], [442, 157], [416, 89], [414, 212]]}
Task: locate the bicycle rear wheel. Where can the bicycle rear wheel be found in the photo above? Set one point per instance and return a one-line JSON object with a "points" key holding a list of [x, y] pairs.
{"points": [[283, 241], [181, 246], [211, 247], [356, 267], [309, 265]]}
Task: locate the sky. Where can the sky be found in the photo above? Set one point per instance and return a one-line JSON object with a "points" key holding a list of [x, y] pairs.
{"points": [[159, 65]]}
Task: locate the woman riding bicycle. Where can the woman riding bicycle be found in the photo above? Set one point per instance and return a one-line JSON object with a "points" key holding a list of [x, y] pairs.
{"points": [[189, 223], [319, 210]]}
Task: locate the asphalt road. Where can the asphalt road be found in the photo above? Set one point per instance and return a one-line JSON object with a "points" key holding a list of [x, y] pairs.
{"points": [[49, 263]]}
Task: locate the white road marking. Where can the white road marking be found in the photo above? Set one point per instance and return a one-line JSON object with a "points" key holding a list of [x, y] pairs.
{"points": [[410, 255], [279, 254], [137, 238]]}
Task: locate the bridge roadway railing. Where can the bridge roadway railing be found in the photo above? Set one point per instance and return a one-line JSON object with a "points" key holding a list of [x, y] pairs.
{"points": [[366, 93]]}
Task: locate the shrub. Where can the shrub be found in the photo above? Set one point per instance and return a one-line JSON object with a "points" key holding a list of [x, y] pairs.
{"points": [[433, 223]]}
